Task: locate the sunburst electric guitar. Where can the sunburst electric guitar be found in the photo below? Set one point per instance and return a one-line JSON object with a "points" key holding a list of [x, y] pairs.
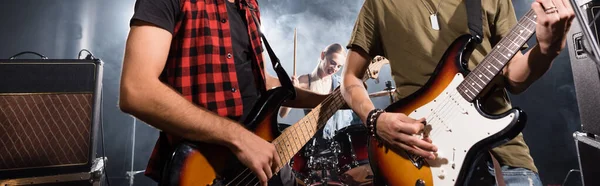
{"points": [[456, 123], [195, 164]]}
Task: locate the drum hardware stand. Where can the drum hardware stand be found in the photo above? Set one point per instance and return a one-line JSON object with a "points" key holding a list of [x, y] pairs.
{"points": [[354, 161], [130, 175], [336, 149], [390, 89]]}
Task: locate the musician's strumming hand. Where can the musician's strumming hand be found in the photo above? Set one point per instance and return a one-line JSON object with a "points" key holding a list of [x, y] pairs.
{"points": [[401, 132], [258, 155]]}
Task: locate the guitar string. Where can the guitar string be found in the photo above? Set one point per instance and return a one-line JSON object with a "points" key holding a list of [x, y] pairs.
{"points": [[515, 38], [313, 117], [441, 112], [334, 100], [254, 177], [246, 173], [447, 114], [431, 120], [445, 110], [249, 173], [328, 98]]}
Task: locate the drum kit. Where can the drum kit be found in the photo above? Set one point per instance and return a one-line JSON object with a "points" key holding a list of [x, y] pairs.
{"points": [[340, 160]]}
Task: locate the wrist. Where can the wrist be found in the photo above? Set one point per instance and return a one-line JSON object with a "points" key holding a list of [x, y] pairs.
{"points": [[545, 53], [371, 121], [235, 137]]}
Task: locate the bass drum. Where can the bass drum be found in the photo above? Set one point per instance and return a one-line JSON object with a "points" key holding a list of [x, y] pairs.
{"points": [[353, 158], [328, 183]]}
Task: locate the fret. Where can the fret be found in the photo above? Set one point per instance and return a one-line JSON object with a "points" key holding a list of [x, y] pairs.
{"points": [[299, 138], [296, 142], [469, 93], [525, 28], [499, 48], [488, 64], [470, 90], [286, 147], [507, 48], [515, 44], [473, 83], [306, 133], [279, 151], [479, 78], [488, 69], [310, 129], [522, 37], [307, 127], [507, 58], [467, 89], [292, 146], [497, 60], [487, 76], [292, 140], [527, 18]]}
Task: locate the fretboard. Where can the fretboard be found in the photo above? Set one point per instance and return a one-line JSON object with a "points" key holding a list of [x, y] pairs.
{"points": [[296, 136], [494, 62]]}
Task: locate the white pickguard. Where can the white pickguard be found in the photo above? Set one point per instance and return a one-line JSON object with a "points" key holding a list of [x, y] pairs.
{"points": [[456, 126]]}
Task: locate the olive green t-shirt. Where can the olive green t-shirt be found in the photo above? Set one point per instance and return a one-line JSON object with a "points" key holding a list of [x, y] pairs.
{"points": [[401, 31]]}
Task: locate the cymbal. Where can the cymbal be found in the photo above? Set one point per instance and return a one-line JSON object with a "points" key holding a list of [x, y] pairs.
{"points": [[382, 93]]}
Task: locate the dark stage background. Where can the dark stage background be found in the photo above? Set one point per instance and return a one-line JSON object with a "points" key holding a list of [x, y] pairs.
{"points": [[60, 28]]}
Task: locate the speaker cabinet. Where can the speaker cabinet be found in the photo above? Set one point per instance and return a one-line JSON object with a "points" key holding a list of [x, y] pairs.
{"points": [[49, 114], [585, 70]]}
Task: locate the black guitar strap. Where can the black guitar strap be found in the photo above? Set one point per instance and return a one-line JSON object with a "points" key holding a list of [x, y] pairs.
{"points": [[475, 24], [284, 79], [474, 19]]}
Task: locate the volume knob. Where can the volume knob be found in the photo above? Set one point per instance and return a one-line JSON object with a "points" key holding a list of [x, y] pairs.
{"points": [[420, 182], [442, 174]]}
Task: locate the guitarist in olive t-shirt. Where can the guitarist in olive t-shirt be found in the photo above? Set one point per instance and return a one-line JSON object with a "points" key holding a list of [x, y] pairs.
{"points": [[414, 34]]}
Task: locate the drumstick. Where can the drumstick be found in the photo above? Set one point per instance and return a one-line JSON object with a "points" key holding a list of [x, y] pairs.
{"points": [[294, 51]]}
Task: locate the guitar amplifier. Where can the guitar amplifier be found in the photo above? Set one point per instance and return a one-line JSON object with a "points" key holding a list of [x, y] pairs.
{"points": [[92, 177], [582, 52], [49, 114], [588, 151]]}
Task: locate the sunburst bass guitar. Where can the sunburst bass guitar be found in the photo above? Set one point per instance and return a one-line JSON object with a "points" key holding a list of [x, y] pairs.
{"points": [[456, 123], [195, 164]]}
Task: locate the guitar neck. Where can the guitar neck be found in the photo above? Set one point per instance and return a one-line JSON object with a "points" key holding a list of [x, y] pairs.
{"points": [[296, 136], [494, 62]]}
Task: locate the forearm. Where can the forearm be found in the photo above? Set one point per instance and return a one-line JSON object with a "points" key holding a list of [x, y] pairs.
{"points": [[356, 96], [522, 71], [304, 98], [160, 106]]}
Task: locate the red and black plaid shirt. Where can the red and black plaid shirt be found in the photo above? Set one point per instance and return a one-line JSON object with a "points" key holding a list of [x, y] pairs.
{"points": [[201, 66]]}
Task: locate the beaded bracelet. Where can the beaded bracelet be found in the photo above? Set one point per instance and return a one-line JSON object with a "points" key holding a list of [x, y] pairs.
{"points": [[372, 121]]}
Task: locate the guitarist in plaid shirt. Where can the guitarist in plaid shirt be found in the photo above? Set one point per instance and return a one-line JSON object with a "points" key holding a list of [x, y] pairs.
{"points": [[194, 69]]}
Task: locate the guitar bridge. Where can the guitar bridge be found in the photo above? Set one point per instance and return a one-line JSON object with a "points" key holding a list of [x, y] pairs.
{"points": [[417, 161]]}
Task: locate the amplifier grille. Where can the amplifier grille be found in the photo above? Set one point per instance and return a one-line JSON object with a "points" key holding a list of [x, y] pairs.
{"points": [[44, 130]]}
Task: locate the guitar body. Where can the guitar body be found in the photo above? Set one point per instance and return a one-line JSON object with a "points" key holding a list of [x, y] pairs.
{"points": [[194, 164], [460, 129]]}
